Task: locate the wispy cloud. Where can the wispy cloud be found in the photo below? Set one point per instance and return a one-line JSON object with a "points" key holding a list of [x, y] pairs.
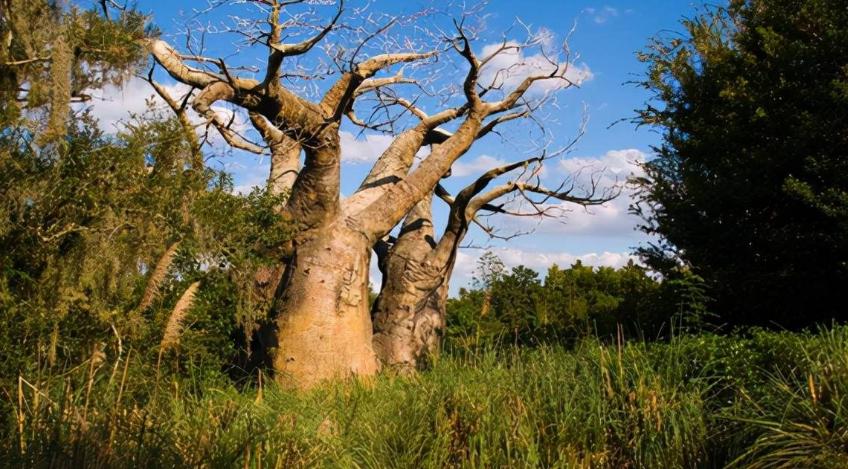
{"points": [[476, 166], [363, 149], [115, 104], [538, 260], [512, 65], [603, 14]]}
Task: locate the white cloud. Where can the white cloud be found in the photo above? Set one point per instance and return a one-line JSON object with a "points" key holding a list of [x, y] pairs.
{"points": [[511, 66], [374, 275], [237, 120], [115, 104], [609, 219], [476, 166], [545, 37], [540, 261], [249, 176], [602, 15], [363, 150], [614, 165]]}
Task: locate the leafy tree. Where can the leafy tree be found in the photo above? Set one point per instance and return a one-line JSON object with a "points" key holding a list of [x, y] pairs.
{"points": [[468, 316], [101, 235], [582, 300], [575, 302], [516, 301], [490, 268], [54, 55], [463, 315], [564, 300], [75, 205], [750, 184]]}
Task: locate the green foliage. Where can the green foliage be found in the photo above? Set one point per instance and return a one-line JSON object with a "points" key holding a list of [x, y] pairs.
{"points": [[515, 300], [750, 185], [802, 418], [72, 221], [86, 218], [580, 301], [84, 230], [91, 223], [778, 399], [763, 400], [67, 56], [237, 235]]}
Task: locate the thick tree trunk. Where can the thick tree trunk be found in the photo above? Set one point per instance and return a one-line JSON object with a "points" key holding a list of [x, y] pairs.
{"points": [[409, 315], [324, 329], [409, 320]]}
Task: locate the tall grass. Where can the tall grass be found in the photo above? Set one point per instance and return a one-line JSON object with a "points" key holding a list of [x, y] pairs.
{"points": [[700, 401], [799, 418]]}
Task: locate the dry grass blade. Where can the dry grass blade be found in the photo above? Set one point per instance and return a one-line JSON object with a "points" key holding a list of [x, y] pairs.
{"points": [[158, 275], [175, 322]]}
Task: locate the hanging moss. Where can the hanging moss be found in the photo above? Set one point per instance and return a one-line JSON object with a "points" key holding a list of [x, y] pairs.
{"points": [[60, 89]]}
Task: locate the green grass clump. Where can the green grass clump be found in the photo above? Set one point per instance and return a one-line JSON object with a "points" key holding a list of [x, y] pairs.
{"points": [[799, 416], [765, 400]]}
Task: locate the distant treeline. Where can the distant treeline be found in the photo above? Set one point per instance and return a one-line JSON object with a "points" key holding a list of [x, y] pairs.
{"points": [[517, 306]]}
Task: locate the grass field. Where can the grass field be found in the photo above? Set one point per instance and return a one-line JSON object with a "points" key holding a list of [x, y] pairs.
{"points": [[759, 400]]}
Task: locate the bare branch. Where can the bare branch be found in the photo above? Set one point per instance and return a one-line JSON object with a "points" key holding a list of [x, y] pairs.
{"points": [[289, 112], [290, 50], [279, 50], [268, 132], [490, 126], [26, 61], [173, 63], [285, 155], [471, 78], [339, 99], [372, 84], [202, 104]]}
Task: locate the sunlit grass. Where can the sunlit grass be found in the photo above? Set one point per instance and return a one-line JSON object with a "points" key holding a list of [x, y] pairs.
{"points": [[700, 401]]}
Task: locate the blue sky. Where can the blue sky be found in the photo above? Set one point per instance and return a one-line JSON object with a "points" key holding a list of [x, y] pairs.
{"points": [[605, 41]]}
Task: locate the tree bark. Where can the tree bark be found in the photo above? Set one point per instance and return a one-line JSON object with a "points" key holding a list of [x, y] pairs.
{"points": [[409, 314], [285, 166], [409, 320], [324, 328]]}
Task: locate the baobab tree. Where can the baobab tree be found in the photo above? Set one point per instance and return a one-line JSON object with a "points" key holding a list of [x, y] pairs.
{"points": [[323, 325], [410, 311]]}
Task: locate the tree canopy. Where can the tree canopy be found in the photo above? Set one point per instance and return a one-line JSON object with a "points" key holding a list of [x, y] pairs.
{"points": [[516, 306], [102, 234], [750, 184]]}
